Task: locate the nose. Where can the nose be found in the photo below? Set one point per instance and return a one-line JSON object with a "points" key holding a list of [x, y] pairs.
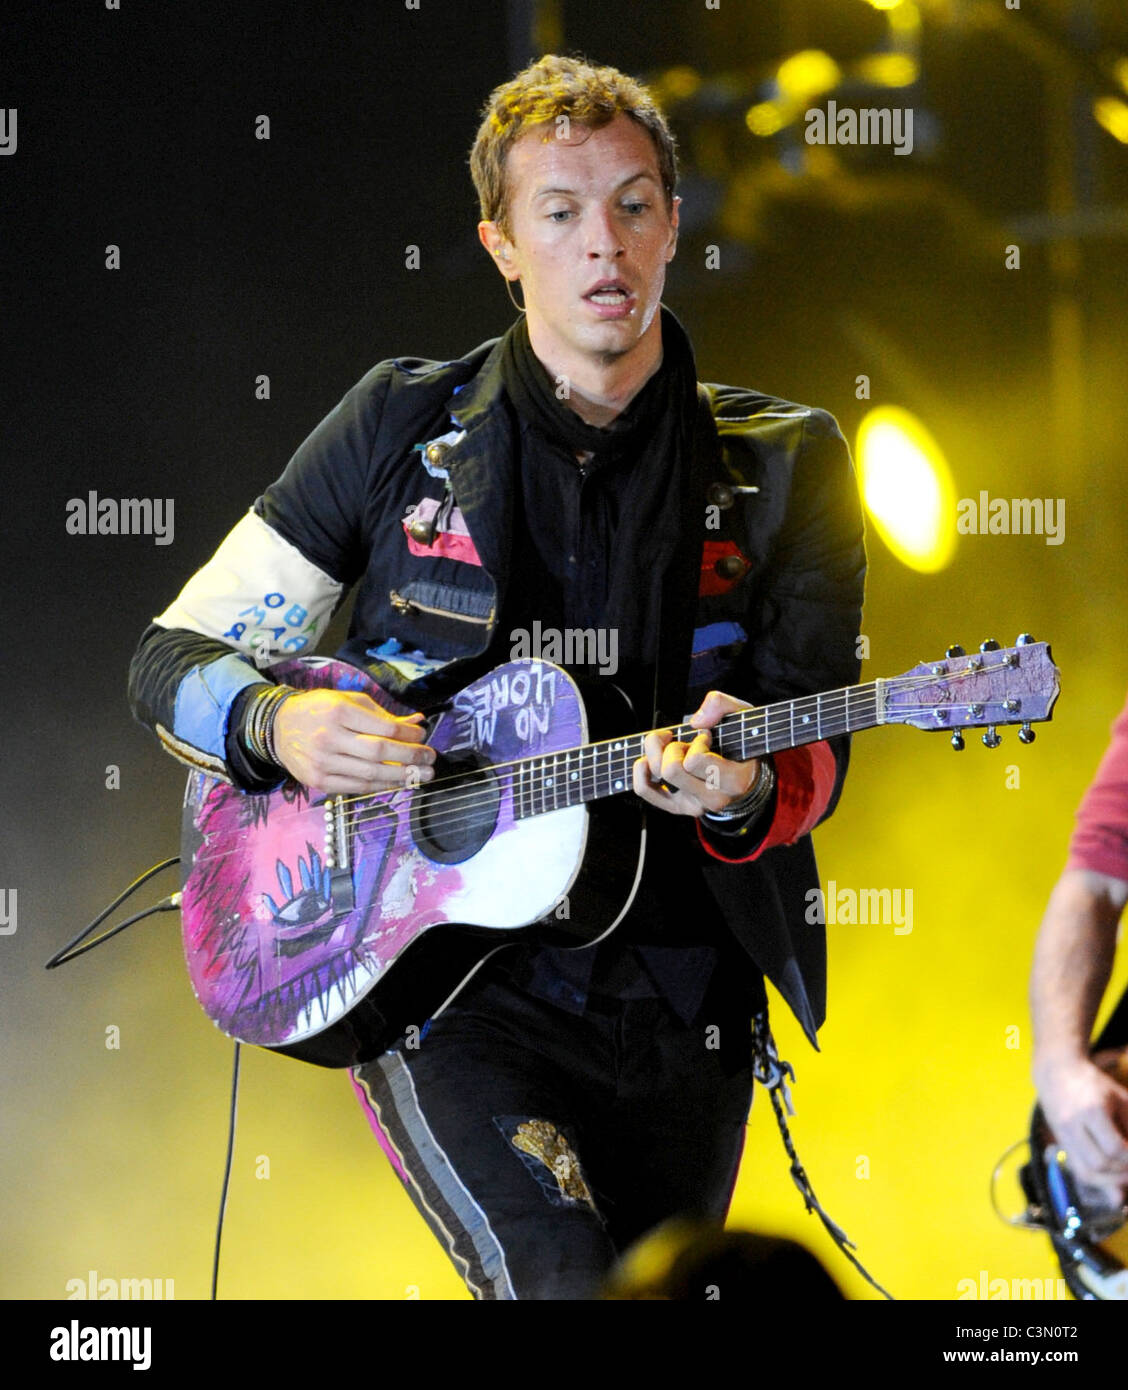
{"points": [[604, 239]]}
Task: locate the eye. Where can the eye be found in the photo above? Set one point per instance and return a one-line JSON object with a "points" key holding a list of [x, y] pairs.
{"points": [[560, 212], [635, 207]]}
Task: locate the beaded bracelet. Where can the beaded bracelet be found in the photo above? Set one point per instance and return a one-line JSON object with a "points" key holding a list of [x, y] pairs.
{"points": [[258, 726], [747, 808]]}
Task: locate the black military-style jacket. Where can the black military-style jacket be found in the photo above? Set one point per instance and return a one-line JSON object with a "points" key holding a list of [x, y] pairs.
{"points": [[406, 490]]}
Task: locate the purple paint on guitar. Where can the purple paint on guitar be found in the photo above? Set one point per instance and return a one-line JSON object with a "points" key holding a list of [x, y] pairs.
{"points": [[270, 958]]}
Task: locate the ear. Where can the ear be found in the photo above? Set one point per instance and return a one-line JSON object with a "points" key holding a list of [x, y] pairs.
{"points": [[672, 246], [500, 248]]}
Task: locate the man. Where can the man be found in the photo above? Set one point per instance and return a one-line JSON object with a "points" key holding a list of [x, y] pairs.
{"points": [[566, 1101], [1085, 1106]]}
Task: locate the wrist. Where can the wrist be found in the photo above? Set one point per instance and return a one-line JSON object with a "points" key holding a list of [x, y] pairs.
{"points": [[258, 732], [1048, 1065], [738, 815]]}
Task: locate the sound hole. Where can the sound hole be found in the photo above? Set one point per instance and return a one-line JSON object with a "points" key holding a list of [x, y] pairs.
{"points": [[451, 823]]}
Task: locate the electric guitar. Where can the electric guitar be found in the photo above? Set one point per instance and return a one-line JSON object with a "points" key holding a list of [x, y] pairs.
{"points": [[1087, 1225], [323, 926]]}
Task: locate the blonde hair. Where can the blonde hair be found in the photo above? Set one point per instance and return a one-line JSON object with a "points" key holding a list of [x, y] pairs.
{"points": [[551, 87]]}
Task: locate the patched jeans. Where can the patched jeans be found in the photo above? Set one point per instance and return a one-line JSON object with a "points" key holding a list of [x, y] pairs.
{"points": [[539, 1144]]}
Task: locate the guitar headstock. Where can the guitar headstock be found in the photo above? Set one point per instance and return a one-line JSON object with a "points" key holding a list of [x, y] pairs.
{"points": [[995, 685]]}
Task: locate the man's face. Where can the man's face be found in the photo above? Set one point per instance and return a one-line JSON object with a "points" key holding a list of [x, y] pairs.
{"points": [[589, 236]]}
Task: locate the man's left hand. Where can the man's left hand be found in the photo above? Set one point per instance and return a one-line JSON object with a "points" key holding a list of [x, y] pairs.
{"points": [[701, 779]]}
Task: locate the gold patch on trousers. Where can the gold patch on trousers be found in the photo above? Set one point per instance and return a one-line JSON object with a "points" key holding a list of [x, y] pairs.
{"points": [[542, 1140]]}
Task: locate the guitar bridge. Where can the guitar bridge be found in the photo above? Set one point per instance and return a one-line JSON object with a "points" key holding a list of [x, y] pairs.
{"points": [[336, 856]]}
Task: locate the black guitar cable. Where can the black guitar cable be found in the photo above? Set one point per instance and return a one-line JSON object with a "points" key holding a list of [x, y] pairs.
{"points": [[69, 953], [772, 1073], [168, 904], [226, 1172]]}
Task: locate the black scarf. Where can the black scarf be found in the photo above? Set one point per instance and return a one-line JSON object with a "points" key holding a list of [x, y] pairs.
{"points": [[653, 437]]}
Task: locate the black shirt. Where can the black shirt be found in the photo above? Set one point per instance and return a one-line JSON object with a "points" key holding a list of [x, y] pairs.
{"points": [[668, 944]]}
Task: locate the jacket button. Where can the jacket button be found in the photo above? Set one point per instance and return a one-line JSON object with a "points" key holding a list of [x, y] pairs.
{"points": [[433, 453], [730, 566], [422, 531]]}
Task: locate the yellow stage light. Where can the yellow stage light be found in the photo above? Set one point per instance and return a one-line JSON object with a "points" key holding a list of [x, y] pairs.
{"points": [[807, 74], [904, 20], [765, 118], [679, 83], [888, 69], [1112, 113], [907, 488]]}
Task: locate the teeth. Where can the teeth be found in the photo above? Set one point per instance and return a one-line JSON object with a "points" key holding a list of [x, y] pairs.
{"points": [[607, 297]]}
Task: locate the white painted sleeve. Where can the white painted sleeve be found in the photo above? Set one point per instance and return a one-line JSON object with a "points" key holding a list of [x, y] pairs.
{"points": [[258, 593]]}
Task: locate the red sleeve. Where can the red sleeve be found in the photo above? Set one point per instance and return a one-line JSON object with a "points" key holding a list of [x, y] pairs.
{"points": [[804, 783], [1100, 837]]}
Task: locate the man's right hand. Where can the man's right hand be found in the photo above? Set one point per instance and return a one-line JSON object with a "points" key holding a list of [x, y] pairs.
{"points": [[342, 741], [1087, 1110]]}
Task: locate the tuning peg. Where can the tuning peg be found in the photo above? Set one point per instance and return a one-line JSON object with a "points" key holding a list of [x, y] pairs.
{"points": [[991, 738], [1026, 734], [957, 741], [1024, 640], [989, 646], [955, 650]]}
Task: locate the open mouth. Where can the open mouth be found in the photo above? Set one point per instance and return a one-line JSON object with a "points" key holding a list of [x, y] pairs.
{"points": [[611, 299]]}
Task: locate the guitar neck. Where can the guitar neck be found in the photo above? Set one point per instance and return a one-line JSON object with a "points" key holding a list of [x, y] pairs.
{"points": [[576, 775]]}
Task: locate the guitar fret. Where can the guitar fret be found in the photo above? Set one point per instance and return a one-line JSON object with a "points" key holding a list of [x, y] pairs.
{"points": [[574, 776], [620, 750]]}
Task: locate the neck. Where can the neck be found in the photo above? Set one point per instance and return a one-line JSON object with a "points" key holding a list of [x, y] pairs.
{"points": [[600, 385]]}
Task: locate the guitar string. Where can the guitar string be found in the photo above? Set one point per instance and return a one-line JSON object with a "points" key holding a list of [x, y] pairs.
{"points": [[799, 705], [542, 785], [771, 716], [863, 703], [599, 763], [458, 808]]}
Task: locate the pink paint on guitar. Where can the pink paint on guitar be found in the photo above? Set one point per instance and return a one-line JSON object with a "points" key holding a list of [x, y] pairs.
{"points": [[295, 906]]}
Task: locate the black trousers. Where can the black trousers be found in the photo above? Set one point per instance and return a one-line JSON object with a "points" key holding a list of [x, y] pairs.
{"points": [[538, 1144]]}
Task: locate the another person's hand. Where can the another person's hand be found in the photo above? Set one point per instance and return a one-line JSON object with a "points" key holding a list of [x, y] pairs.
{"points": [[1087, 1110]]}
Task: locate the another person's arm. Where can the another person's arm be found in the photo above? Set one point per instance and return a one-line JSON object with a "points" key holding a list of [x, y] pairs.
{"points": [[1086, 1108], [1073, 958]]}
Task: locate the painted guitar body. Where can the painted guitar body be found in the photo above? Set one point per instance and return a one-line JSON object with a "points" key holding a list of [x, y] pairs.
{"points": [[295, 905], [325, 927]]}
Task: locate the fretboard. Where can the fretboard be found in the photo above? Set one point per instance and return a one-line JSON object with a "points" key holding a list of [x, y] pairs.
{"points": [[556, 780]]}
